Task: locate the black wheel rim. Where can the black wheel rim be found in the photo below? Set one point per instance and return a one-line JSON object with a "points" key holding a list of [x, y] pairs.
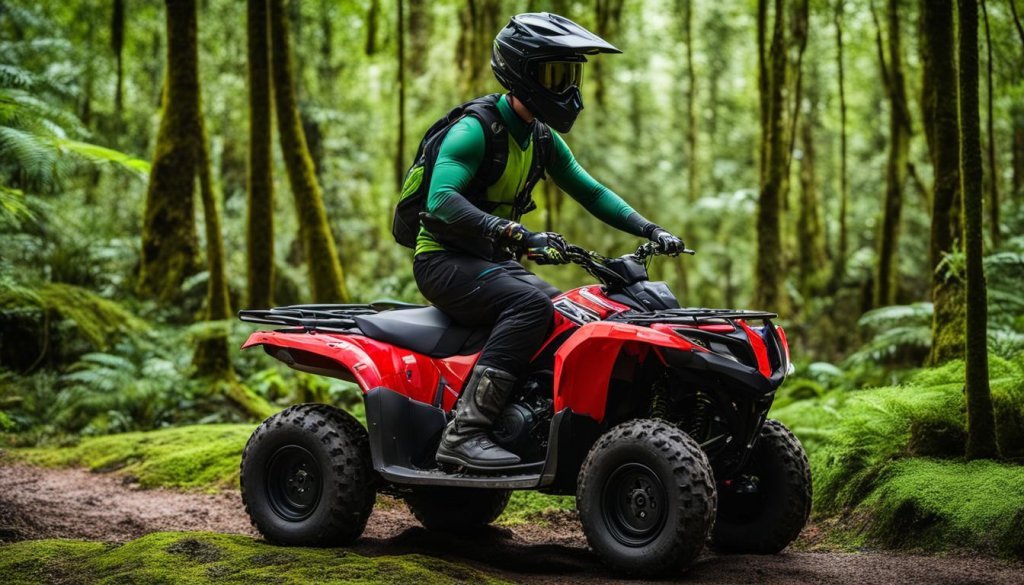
{"points": [[294, 483], [634, 504]]}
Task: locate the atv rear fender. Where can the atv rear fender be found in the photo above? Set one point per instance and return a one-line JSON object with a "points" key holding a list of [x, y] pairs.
{"points": [[367, 362]]}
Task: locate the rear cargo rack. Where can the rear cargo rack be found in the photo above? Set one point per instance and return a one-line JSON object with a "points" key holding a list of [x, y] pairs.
{"points": [[323, 318]]}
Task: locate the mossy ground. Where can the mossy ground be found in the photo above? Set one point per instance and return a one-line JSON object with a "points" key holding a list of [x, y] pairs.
{"points": [[198, 456], [891, 460], [199, 557]]}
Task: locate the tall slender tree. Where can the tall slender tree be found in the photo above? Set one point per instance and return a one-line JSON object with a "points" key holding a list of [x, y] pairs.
{"points": [[607, 16], [117, 44], [260, 208], [981, 433], [325, 273], [942, 131], [372, 16], [685, 7], [839, 264], [400, 162], [169, 243], [774, 169], [993, 166], [896, 164]]}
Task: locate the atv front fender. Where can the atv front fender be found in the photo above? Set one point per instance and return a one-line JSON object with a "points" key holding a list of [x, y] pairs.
{"points": [[583, 365]]}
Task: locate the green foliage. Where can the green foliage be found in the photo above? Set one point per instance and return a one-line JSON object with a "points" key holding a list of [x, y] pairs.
{"points": [[531, 506], [198, 456], [893, 454], [201, 557]]}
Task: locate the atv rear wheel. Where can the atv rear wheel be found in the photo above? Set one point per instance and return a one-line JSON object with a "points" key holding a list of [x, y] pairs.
{"points": [[307, 478], [646, 498], [764, 509], [457, 510]]}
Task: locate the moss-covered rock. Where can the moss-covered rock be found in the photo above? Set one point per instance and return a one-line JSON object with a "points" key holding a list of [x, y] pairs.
{"points": [[196, 456], [199, 557]]}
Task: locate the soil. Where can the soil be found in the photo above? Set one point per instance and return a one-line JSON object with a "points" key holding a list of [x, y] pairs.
{"points": [[73, 503]]}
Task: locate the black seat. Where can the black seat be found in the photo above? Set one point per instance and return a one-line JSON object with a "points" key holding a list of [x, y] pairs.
{"points": [[427, 331]]}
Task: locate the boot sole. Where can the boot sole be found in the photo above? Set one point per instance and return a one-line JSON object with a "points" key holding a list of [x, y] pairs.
{"points": [[454, 460]]}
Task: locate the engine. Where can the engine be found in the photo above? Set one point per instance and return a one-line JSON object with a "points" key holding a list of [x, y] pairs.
{"points": [[522, 427]]}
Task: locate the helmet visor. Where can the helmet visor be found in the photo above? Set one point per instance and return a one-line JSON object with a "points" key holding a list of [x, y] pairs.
{"points": [[559, 76]]}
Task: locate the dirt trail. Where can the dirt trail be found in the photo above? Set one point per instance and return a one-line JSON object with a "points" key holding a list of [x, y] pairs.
{"points": [[73, 503]]}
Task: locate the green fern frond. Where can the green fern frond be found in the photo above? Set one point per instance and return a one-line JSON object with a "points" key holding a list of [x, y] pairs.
{"points": [[916, 314], [890, 343]]}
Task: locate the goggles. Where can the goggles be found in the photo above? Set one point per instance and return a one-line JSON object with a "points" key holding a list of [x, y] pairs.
{"points": [[559, 76]]}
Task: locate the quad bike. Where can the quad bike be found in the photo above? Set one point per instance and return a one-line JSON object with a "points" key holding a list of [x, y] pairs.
{"points": [[653, 415]]}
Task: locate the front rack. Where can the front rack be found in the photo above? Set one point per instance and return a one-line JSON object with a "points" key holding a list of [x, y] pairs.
{"points": [[690, 316], [324, 318]]}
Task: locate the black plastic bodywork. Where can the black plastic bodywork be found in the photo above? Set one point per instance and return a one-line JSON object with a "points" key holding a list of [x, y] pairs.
{"points": [[404, 435]]}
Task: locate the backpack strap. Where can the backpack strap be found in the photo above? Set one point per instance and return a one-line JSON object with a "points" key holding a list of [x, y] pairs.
{"points": [[492, 165], [543, 151]]}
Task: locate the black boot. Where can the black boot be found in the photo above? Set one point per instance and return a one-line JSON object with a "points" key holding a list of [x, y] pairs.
{"points": [[465, 440]]}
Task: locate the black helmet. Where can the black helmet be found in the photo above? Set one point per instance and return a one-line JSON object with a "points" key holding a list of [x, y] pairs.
{"points": [[539, 58]]}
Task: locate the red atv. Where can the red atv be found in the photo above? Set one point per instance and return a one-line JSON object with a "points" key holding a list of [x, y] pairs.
{"points": [[653, 415]]}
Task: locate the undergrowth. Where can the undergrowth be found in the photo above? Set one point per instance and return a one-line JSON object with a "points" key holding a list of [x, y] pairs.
{"points": [[893, 455]]}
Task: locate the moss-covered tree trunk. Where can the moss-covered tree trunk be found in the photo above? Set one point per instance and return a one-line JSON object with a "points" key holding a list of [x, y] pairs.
{"points": [[400, 161], [169, 230], [212, 357], [260, 208], [478, 23], [811, 255], [993, 166], [839, 261], [117, 44], [607, 16], [981, 434], [769, 268], [419, 24], [325, 273], [692, 163], [372, 17], [942, 131], [896, 163]]}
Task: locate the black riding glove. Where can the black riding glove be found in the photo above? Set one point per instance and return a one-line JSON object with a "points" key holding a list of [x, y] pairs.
{"points": [[668, 243], [546, 248]]}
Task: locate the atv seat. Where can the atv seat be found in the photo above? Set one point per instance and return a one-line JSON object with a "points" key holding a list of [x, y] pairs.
{"points": [[427, 331]]}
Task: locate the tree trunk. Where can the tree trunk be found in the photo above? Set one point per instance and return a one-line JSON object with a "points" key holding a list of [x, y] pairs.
{"points": [[839, 264], [372, 16], [419, 36], [212, 357], [896, 165], [1016, 20], [692, 164], [478, 21], [1018, 152], [939, 112], [325, 274], [993, 171], [169, 228], [769, 268], [260, 223], [812, 257], [117, 44], [608, 15], [400, 162], [981, 435]]}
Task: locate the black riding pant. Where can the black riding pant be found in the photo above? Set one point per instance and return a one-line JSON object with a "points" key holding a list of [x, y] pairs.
{"points": [[476, 292]]}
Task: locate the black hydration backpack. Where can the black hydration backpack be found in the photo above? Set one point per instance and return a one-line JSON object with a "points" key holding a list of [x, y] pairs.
{"points": [[413, 199]]}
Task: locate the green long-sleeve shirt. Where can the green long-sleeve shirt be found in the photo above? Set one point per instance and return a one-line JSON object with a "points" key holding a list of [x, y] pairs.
{"points": [[460, 156]]}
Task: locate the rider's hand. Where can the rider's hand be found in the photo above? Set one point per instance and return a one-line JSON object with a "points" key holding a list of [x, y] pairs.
{"points": [[546, 248], [508, 232], [666, 242]]}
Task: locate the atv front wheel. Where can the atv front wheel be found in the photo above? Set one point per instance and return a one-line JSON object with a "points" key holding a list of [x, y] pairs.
{"points": [[646, 498], [457, 510], [766, 507], [307, 478]]}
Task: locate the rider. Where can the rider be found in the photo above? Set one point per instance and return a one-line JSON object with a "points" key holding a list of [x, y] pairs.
{"points": [[465, 264]]}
